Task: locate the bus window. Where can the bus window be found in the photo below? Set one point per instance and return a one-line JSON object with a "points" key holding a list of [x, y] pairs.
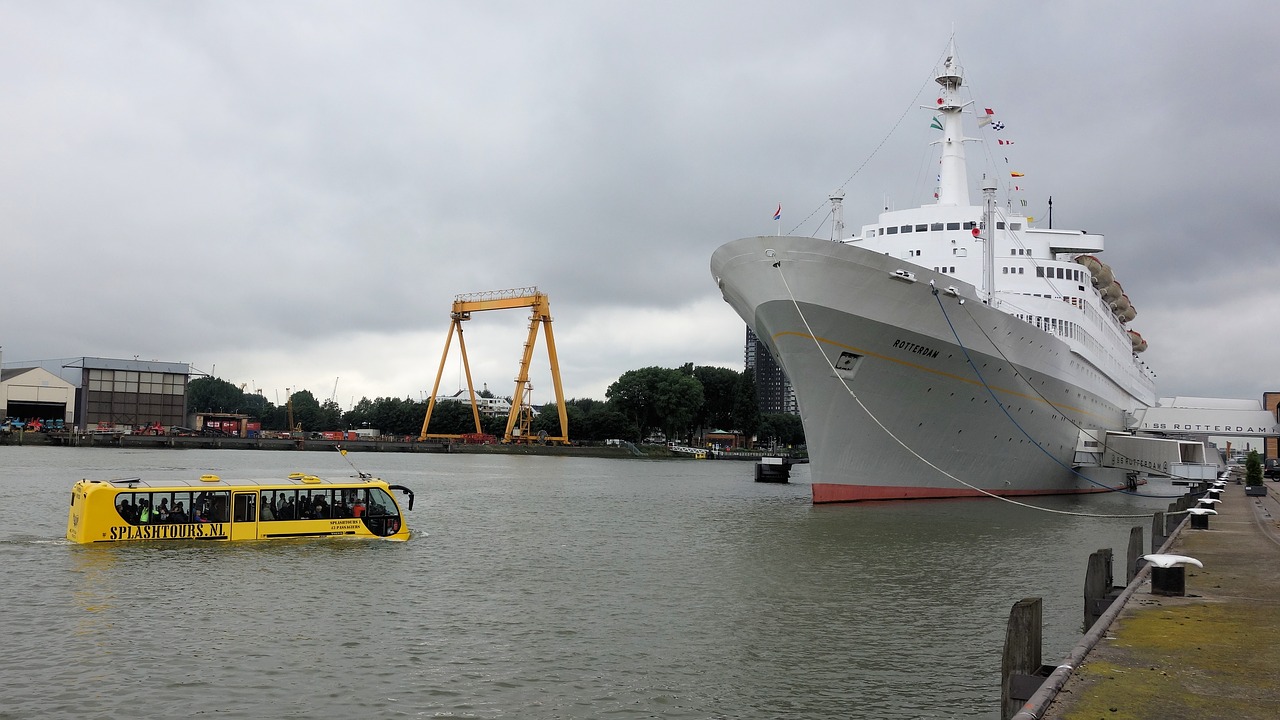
{"points": [[246, 507], [380, 514]]}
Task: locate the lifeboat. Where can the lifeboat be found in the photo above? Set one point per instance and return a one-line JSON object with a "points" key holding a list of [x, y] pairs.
{"points": [[1139, 344], [1121, 305], [1099, 270], [1129, 314], [1112, 293]]}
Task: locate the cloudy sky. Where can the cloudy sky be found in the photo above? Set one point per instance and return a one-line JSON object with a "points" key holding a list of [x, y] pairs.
{"points": [[290, 194]]}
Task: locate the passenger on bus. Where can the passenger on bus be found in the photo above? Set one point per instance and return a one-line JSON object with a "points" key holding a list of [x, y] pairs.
{"points": [[321, 509], [267, 514], [178, 515], [162, 512], [357, 510], [144, 512], [126, 510]]}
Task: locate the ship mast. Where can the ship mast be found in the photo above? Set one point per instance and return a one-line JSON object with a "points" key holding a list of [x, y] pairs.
{"points": [[953, 184], [837, 215]]}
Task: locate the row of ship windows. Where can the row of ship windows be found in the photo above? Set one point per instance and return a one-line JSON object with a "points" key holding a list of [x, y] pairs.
{"points": [[926, 227], [1053, 325], [1061, 273], [1064, 328]]}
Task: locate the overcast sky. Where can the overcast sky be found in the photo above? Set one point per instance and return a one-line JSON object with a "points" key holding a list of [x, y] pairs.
{"points": [[289, 194]]}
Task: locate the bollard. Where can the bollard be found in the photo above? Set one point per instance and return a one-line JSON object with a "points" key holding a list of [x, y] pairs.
{"points": [[1199, 522], [1168, 576], [1170, 581]]}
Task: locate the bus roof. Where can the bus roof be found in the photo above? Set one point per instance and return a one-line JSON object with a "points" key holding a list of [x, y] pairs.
{"points": [[206, 481]]}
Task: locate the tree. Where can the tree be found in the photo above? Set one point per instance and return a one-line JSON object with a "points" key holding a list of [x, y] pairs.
{"points": [[210, 394], [655, 397], [719, 393], [781, 429], [1253, 469], [746, 406]]}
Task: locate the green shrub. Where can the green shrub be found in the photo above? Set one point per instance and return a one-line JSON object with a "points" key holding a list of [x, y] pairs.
{"points": [[1253, 469]]}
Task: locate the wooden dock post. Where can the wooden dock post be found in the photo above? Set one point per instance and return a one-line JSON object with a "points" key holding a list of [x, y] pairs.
{"points": [[1158, 535], [1135, 552], [1021, 671], [1098, 591]]}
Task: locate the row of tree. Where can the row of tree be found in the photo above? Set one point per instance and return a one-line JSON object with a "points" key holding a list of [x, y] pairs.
{"points": [[678, 403]]}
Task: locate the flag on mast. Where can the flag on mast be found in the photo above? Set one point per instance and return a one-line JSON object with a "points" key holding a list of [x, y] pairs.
{"points": [[777, 214]]}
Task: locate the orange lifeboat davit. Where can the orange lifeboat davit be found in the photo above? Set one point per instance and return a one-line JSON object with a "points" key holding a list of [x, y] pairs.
{"points": [[1139, 345]]}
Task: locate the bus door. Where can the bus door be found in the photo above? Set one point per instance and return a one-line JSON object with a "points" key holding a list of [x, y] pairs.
{"points": [[244, 521]]}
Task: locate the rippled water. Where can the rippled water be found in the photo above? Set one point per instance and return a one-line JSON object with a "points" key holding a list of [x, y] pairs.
{"points": [[535, 587]]}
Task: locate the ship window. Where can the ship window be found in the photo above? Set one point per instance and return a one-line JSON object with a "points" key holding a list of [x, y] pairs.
{"points": [[906, 228], [922, 228], [1060, 273], [1020, 271], [1039, 272], [881, 231], [936, 226], [1006, 270], [893, 231], [960, 252], [1015, 226], [969, 225], [953, 226], [1000, 225]]}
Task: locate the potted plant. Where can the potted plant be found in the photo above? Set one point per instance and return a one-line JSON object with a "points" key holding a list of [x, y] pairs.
{"points": [[1253, 475]]}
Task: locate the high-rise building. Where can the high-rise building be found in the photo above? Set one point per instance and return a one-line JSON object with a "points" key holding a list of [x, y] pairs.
{"points": [[773, 389]]}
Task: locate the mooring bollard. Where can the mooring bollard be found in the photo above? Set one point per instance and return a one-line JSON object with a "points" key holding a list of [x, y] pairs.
{"points": [[1168, 576], [1200, 517]]}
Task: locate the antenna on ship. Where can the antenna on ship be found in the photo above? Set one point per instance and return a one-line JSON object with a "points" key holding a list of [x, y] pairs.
{"points": [[1050, 212], [837, 215]]}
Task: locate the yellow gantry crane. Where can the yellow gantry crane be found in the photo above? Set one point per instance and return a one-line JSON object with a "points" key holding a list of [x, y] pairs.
{"points": [[463, 306]]}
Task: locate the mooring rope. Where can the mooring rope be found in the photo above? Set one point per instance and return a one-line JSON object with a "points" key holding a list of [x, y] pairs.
{"points": [[778, 266]]}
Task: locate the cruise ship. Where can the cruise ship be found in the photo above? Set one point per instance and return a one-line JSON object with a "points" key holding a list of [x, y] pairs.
{"points": [[950, 350]]}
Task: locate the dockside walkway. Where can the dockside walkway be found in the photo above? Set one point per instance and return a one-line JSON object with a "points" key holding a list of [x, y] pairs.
{"points": [[1214, 653]]}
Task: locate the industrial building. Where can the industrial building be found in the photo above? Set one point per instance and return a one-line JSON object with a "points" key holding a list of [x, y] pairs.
{"points": [[112, 393]]}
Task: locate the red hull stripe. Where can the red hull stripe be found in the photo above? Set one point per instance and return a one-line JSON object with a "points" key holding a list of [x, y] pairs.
{"points": [[835, 493]]}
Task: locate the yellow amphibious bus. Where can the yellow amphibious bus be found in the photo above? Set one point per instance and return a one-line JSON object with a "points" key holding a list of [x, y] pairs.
{"points": [[216, 509]]}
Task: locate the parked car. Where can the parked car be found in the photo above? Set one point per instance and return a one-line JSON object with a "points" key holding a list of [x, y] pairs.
{"points": [[1271, 468]]}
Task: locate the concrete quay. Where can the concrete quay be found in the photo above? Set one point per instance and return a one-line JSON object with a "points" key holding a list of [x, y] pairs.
{"points": [[1213, 653]]}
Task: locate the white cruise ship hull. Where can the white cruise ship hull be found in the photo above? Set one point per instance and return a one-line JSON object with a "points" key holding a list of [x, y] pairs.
{"points": [[893, 405]]}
